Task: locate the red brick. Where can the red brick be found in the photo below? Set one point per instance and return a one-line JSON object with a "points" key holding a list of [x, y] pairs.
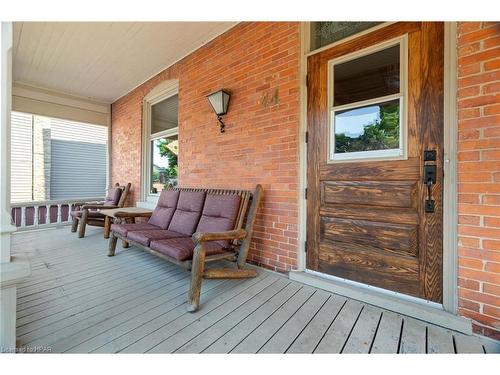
{"points": [[469, 305], [467, 27], [491, 133], [468, 284], [491, 42], [468, 198], [491, 244], [469, 219], [470, 69], [488, 65], [477, 35], [491, 199], [490, 155], [480, 100], [469, 156], [491, 289], [492, 109], [478, 79], [493, 267], [490, 88], [470, 263], [491, 311]]}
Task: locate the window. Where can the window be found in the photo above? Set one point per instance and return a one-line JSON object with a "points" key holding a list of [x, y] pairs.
{"points": [[163, 144], [324, 33], [367, 104], [55, 159]]}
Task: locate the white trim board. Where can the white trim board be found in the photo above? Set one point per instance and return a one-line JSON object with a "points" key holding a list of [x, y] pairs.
{"points": [[159, 93], [390, 302], [49, 103]]}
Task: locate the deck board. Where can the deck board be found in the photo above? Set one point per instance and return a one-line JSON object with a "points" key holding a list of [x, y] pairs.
{"points": [[288, 332], [413, 337], [205, 338], [337, 334], [309, 338], [388, 334], [78, 300], [259, 337], [363, 333]]}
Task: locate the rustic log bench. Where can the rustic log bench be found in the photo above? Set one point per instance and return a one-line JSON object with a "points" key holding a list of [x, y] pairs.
{"points": [[191, 227]]}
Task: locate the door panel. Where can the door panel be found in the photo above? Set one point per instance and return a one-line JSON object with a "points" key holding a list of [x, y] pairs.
{"points": [[367, 220]]}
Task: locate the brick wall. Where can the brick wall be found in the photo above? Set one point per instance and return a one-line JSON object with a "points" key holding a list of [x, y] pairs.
{"points": [[479, 174], [259, 64]]}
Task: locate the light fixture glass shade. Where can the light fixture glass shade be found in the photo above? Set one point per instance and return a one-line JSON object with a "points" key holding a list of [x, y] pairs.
{"points": [[219, 101]]}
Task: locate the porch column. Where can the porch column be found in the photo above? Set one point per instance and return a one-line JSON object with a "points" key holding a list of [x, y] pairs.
{"points": [[12, 269], [41, 159]]}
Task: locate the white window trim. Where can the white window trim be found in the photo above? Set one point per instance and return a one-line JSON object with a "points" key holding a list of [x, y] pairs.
{"points": [[376, 155], [161, 92]]}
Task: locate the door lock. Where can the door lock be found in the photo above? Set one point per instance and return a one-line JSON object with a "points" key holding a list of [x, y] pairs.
{"points": [[430, 173], [429, 180]]}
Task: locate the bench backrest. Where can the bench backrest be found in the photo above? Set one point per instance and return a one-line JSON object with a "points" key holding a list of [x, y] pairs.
{"points": [[186, 210]]}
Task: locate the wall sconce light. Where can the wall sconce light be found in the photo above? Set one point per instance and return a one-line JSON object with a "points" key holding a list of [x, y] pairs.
{"points": [[219, 101]]}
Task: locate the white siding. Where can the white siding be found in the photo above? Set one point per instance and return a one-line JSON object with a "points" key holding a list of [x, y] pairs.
{"points": [[21, 157], [78, 160]]}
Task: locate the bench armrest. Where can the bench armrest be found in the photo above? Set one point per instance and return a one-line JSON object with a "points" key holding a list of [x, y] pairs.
{"points": [[97, 207], [199, 237], [122, 214]]}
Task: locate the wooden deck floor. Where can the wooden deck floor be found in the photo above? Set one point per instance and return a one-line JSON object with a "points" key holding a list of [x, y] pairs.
{"points": [[80, 301]]}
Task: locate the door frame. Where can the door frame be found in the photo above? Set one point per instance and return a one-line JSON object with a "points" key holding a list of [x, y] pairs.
{"points": [[450, 214]]}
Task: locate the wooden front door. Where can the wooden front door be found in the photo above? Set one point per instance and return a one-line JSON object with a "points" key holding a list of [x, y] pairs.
{"points": [[375, 159]]}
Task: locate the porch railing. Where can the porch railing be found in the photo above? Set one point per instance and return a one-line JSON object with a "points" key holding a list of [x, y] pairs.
{"points": [[42, 214]]}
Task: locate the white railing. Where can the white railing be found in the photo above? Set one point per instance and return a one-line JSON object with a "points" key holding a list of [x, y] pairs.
{"points": [[43, 214]]}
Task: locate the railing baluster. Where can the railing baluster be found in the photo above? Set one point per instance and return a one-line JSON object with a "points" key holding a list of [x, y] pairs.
{"points": [[70, 205], [35, 216], [47, 214], [23, 216], [59, 213]]}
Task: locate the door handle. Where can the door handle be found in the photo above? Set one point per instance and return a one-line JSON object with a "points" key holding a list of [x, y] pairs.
{"points": [[429, 180]]}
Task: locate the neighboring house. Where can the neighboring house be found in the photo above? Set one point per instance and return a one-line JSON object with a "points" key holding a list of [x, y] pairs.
{"points": [[55, 159]]}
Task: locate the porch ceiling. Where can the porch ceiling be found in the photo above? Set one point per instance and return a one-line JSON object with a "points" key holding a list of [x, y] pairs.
{"points": [[103, 60]]}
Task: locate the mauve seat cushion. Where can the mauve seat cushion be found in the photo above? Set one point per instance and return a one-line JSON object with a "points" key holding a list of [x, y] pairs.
{"points": [[92, 214], [164, 209], [188, 212], [219, 214], [144, 237], [113, 197], [183, 248], [124, 229]]}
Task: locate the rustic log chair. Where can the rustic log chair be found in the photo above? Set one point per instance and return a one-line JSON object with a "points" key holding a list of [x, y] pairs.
{"points": [[169, 232], [89, 214]]}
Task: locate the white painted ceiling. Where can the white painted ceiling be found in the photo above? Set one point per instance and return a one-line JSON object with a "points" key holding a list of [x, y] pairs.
{"points": [[102, 60]]}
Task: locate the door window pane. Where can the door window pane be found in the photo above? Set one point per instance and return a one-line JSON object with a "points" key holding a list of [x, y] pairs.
{"points": [[164, 115], [164, 163], [323, 33], [367, 77], [369, 128]]}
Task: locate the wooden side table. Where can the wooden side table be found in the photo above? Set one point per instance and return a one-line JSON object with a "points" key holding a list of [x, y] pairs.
{"points": [[110, 215]]}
